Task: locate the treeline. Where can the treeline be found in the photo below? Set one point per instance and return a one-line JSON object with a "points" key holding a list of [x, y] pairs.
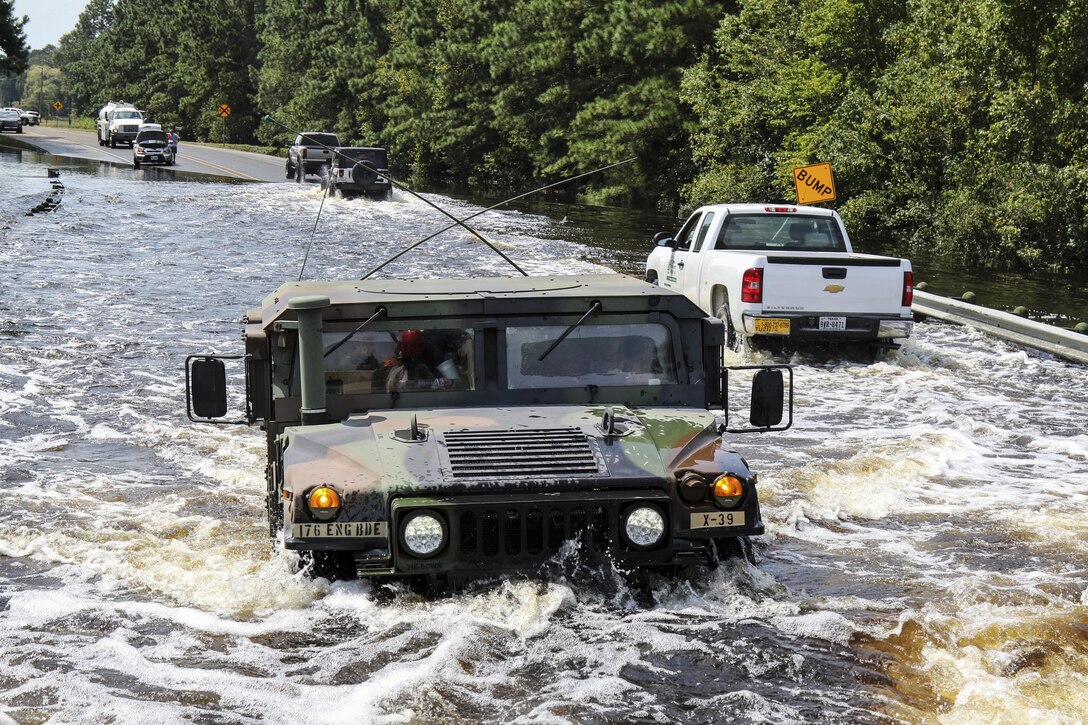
{"points": [[953, 126]]}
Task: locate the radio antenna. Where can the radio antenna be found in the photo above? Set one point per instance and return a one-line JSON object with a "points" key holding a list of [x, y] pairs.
{"points": [[324, 195], [394, 182], [409, 248]]}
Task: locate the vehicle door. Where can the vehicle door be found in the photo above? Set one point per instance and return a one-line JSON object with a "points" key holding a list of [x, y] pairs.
{"points": [[680, 256], [684, 264]]}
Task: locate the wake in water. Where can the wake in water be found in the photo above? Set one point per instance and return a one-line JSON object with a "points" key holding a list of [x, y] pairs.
{"points": [[923, 562]]}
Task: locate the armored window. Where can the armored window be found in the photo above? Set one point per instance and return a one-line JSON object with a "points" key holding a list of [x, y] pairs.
{"points": [[605, 355], [384, 361]]}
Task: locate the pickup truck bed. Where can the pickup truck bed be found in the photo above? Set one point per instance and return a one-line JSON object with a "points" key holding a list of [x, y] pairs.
{"points": [[784, 272]]}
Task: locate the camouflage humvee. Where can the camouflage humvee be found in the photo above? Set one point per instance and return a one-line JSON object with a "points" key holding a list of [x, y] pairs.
{"points": [[461, 428]]}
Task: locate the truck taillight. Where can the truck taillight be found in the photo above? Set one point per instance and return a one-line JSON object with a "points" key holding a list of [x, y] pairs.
{"points": [[751, 286], [786, 209], [302, 152], [908, 288]]}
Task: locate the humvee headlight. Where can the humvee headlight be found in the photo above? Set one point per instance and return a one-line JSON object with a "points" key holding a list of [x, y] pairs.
{"points": [[643, 527], [692, 488], [423, 533], [728, 491], [324, 503]]}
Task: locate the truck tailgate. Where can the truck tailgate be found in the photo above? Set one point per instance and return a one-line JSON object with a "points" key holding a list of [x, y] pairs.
{"points": [[847, 283]]}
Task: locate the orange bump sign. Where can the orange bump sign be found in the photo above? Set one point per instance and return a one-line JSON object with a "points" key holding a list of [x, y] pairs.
{"points": [[814, 184]]}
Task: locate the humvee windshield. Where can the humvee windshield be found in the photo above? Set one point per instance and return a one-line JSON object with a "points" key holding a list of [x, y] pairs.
{"points": [[802, 233], [606, 355], [385, 361]]}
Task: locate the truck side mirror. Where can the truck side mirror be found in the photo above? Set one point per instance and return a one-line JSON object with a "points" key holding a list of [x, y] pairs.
{"points": [[768, 396], [664, 239], [207, 388], [768, 402]]}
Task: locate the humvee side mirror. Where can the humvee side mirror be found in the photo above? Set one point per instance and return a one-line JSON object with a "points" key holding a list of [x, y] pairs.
{"points": [[768, 393], [664, 239], [768, 401], [208, 388]]}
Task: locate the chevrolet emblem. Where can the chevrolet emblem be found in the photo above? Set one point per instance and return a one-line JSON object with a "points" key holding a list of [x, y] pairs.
{"points": [[834, 288]]}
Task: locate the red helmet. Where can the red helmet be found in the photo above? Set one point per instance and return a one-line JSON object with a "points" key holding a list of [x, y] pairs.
{"points": [[411, 343]]}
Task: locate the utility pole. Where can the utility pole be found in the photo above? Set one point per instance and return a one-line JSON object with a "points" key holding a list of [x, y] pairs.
{"points": [[41, 81]]}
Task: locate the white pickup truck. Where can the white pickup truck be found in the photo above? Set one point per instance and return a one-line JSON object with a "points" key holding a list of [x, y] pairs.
{"points": [[785, 272]]}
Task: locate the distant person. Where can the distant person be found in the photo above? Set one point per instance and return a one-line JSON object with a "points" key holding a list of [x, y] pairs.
{"points": [[172, 139]]}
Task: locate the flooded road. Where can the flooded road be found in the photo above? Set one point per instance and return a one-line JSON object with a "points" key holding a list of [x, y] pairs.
{"points": [[925, 559]]}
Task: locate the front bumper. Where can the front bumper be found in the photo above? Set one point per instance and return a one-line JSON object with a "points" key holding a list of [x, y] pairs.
{"points": [[521, 533], [162, 157], [807, 327]]}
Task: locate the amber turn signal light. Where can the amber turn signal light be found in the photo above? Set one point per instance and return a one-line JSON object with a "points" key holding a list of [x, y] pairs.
{"points": [[728, 491], [324, 502]]}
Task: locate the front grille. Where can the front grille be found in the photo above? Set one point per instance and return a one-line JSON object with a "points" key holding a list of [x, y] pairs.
{"points": [[547, 452], [536, 533]]}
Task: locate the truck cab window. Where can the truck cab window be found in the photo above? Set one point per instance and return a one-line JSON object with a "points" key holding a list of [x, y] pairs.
{"points": [[687, 233], [708, 219]]}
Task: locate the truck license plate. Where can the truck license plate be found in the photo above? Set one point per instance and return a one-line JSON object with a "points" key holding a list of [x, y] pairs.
{"points": [[832, 323], [349, 530], [772, 326], [717, 519]]}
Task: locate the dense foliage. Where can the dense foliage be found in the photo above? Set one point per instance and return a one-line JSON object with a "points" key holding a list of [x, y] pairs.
{"points": [[953, 126], [13, 47]]}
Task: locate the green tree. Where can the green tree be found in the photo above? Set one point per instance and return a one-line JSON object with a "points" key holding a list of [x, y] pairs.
{"points": [[82, 53], [14, 51]]}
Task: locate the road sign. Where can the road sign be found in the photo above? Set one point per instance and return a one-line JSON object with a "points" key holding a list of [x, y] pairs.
{"points": [[57, 105], [814, 183], [223, 110]]}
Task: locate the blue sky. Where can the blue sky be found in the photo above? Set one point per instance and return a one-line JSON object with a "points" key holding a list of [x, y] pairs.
{"points": [[49, 19]]}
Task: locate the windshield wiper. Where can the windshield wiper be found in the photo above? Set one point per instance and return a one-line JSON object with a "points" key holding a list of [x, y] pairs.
{"points": [[595, 307], [381, 312]]}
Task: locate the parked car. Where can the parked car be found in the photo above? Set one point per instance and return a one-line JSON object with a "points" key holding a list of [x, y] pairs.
{"points": [[784, 272], [152, 147], [11, 121]]}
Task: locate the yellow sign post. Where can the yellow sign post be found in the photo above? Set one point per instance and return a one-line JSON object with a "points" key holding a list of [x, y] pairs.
{"points": [[814, 184], [57, 105], [223, 110]]}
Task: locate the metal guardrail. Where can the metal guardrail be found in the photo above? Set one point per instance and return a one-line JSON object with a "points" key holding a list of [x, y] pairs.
{"points": [[1005, 325]]}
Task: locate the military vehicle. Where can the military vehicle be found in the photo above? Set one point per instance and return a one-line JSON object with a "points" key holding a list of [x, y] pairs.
{"points": [[457, 429]]}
